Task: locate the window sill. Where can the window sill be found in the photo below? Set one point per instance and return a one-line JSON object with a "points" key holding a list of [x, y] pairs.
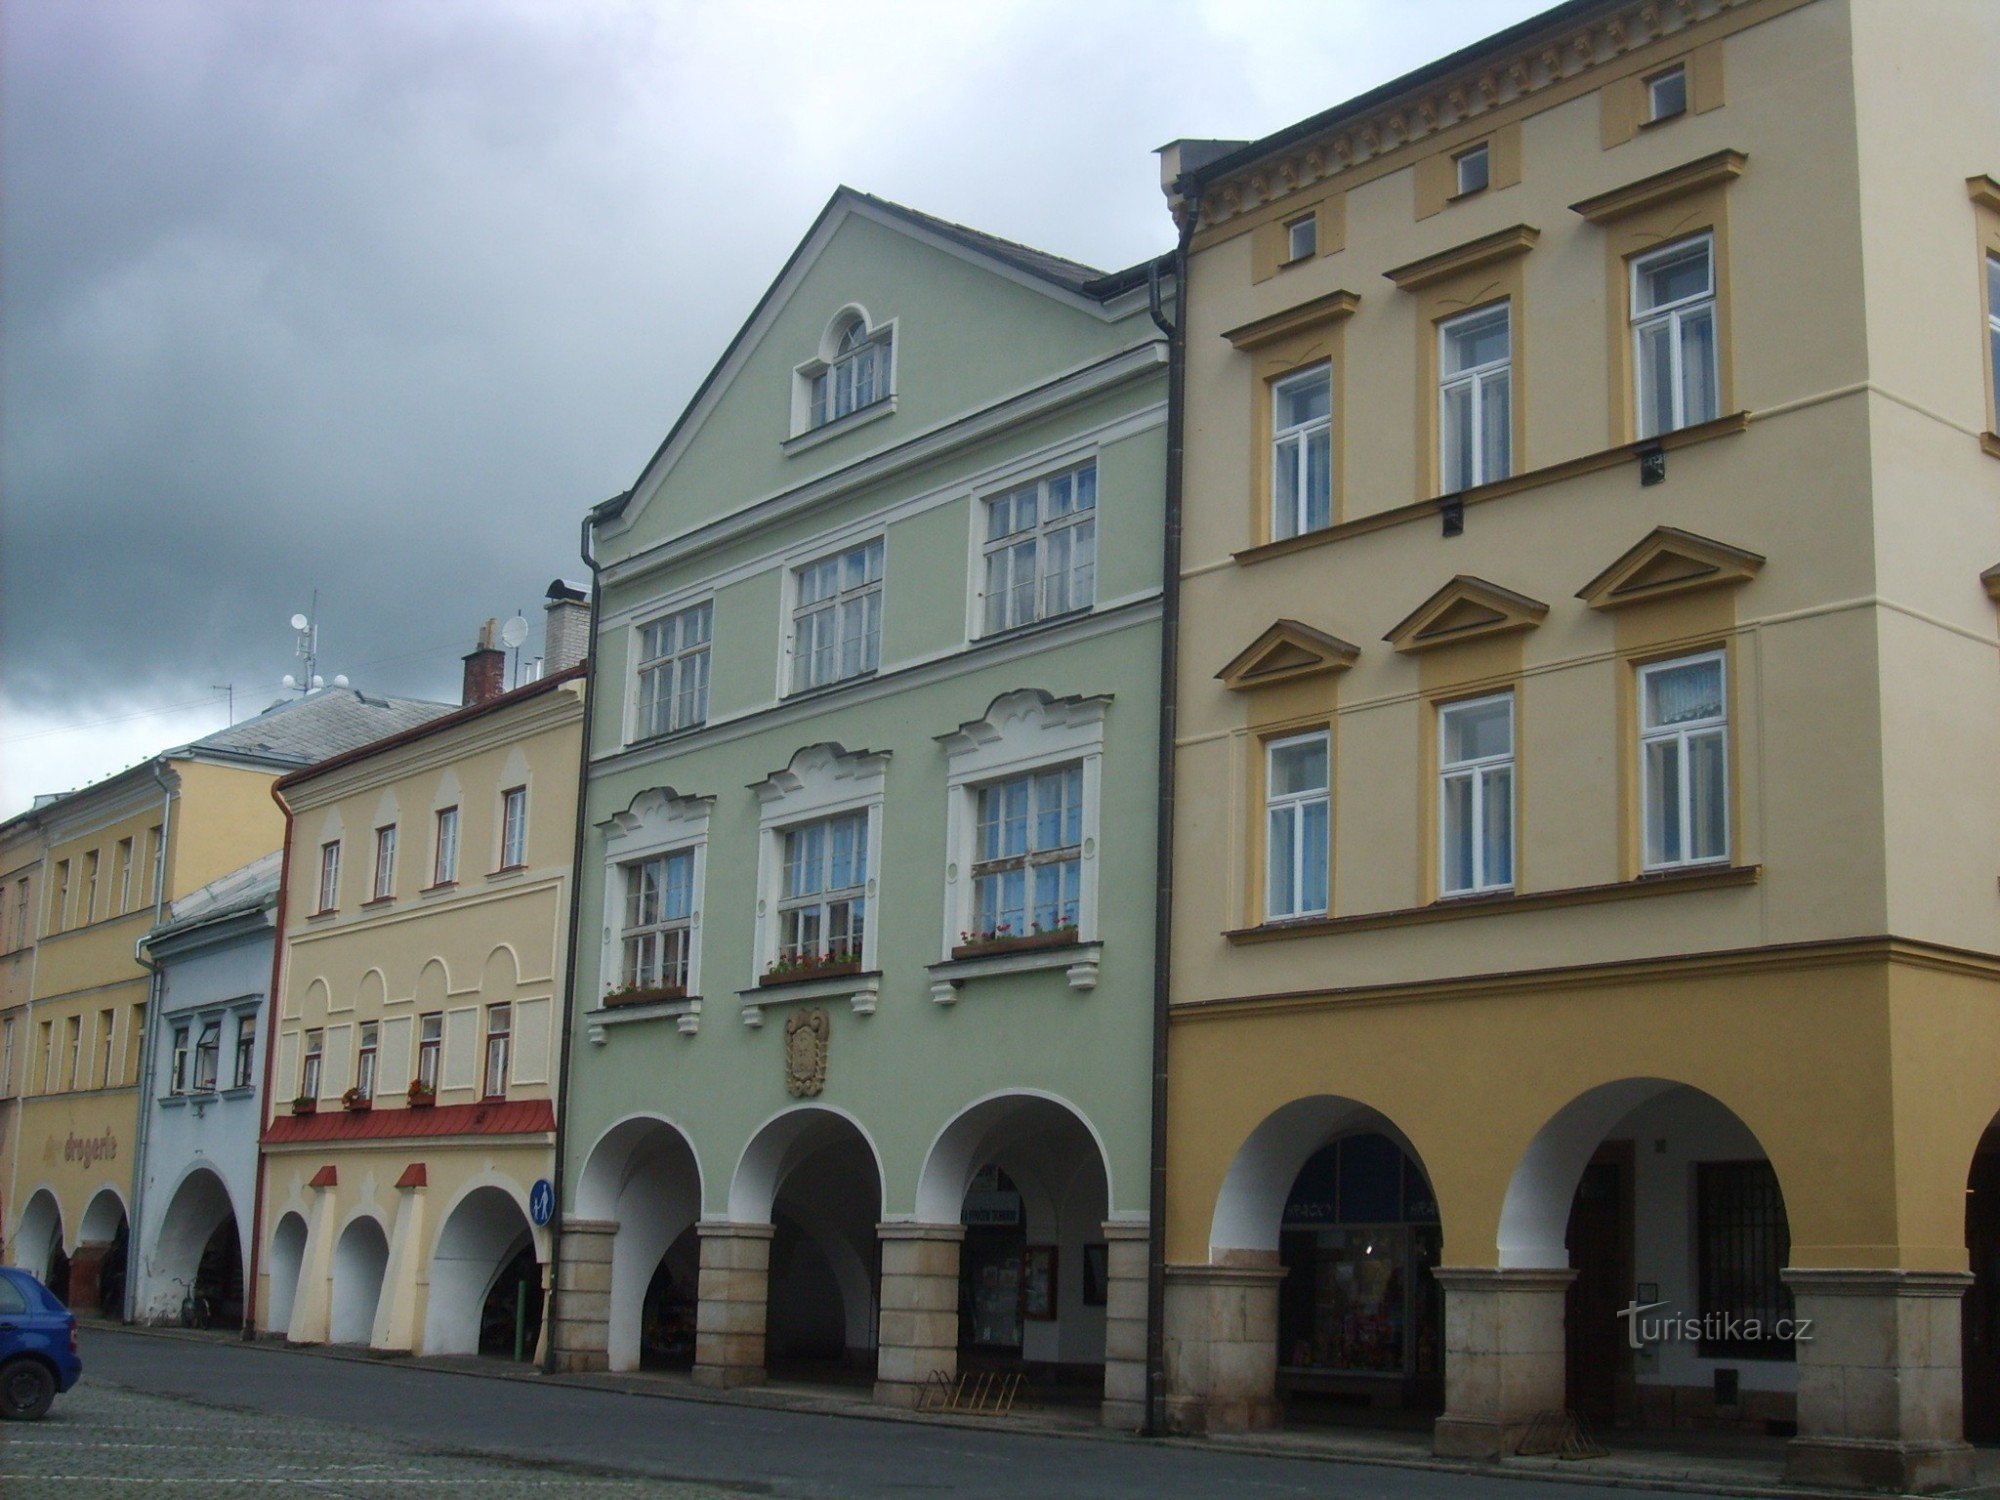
{"points": [[1698, 878], [322, 914], [378, 901], [825, 689], [812, 437], [1079, 960], [684, 1011], [441, 888], [1029, 627], [860, 991], [507, 872], [665, 736], [1531, 479]]}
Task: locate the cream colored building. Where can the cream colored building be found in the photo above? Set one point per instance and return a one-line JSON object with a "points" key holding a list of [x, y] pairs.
{"points": [[412, 1100], [1589, 692], [20, 893]]}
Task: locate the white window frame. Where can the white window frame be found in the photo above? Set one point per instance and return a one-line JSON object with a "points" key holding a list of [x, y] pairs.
{"points": [[1478, 382], [852, 341], [91, 860], [1039, 538], [1301, 245], [1291, 446], [1653, 81], [243, 1069], [367, 1056], [1682, 735], [312, 1063], [385, 862], [677, 676], [107, 1032], [1462, 162], [1021, 733], [7, 1057], [75, 1053], [1674, 316], [124, 874], [1992, 270], [1293, 806], [208, 1055], [514, 827], [498, 1049], [329, 876], [670, 938], [835, 607], [821, 782], [660, 823], [1063, 780], [444, 846], [181, 1059], [1480, 772], [430, 1049]]}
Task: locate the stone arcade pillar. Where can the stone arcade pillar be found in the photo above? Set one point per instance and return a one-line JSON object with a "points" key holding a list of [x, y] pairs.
{"points": [[1222, 1346], [1504, 1359], [1881, 1394], [919, 1324], [86, 1270], [581, 1336], [735, 1295], [1125, 1326]]}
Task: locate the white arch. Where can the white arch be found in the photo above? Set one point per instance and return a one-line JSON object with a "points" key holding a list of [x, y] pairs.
{"points": [[1251, 1204], [644, 1176], [776, 1146], [40, 1233], [837, 326], [968, 1139], [1534, 1217], [288, 1258], [360, 1259], [101, 1217], [481, 1233], [200, 1205]]}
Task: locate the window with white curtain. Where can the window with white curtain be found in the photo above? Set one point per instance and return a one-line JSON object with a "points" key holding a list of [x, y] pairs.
{"points": [[1296, 830], [1684, 761], [857, 376], [1302, 452], [1673, 336], [1475, 398], [1041, 550], [1476, 795], [673, 671], [1027, 872], [823, 901], [837, 617], [659, 914]]}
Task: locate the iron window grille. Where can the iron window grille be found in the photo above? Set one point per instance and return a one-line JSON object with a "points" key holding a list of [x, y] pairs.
{"points": [[1746, 1241]]}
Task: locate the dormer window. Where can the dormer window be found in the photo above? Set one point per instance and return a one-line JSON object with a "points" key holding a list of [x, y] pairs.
{"points": [[854, 376]]}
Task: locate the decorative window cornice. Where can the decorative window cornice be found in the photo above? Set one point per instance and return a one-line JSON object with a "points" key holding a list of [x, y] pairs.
{"points": [[1286, 652], [1519, 239], [1663, 187], [1669, 561], [1027, 723], [1984, 191], [1328, 309], [829, 772], [1465, 609]]}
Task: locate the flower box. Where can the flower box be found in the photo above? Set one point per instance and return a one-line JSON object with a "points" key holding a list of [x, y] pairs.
{"points": [[305, 1106], [355, 1102], [422, 1096], [988, 944], [637, 996], [825, 969]]}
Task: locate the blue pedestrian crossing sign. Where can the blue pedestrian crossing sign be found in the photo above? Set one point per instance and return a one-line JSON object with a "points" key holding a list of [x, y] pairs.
{"points": [[541, 1202]]}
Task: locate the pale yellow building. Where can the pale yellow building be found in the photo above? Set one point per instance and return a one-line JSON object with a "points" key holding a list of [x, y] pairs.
{"points": [[1586, 812], [412, 1099], [111, 857], [20, 891]]}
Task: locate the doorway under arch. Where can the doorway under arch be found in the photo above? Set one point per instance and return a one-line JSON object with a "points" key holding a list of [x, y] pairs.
{"points": [[360, 1260], [485, 1279], [642, 1176]]}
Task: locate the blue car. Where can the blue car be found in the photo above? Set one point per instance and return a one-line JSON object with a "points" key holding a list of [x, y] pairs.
{"points": [[37, 1347]]}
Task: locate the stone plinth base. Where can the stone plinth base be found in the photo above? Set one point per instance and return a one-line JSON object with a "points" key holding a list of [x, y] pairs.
{"points": [[1126, 1248], [1222, 1346], [580, 1336], [1881, 1393], [734, 1299], [919, 1324], [1504, 1361]]}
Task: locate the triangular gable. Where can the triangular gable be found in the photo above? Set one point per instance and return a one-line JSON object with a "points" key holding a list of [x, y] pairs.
{"points": [[1284, 653], [1669, 561], [1466, 609], [1043, 273]]}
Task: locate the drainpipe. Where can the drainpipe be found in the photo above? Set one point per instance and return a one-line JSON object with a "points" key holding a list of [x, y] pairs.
{"points": [[267, 1031], [1163, 852], [155, 993], [549, 1308]]}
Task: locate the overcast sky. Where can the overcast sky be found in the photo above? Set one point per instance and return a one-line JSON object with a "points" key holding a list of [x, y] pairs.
{"points": [[376, 297]]}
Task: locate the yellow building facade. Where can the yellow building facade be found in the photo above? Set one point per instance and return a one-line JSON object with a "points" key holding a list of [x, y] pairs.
{"points": [[20, 896], [1585, 950], [412, 1096]]}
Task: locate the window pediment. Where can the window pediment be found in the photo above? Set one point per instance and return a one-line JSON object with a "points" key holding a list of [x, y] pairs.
{"points": [[1317, 313], [1026, 722], [823, 776], [1472, 256], [1465, 609], [657, 815], [1669, 561], [1713, 170], [1286, 652]]}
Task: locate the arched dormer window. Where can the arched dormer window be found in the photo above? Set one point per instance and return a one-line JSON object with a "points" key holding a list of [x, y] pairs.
{"points": [[853, 371]]}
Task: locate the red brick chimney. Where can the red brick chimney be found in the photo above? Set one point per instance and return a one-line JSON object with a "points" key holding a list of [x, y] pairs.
{"points": [[485, 667]]}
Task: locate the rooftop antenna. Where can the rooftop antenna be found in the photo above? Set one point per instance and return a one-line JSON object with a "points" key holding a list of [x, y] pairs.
{"points": [[306, 648], [512, 634], [229, 688]]}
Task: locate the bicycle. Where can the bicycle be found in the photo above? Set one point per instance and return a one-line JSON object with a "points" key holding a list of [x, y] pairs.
{"points": [[196, 1310]]}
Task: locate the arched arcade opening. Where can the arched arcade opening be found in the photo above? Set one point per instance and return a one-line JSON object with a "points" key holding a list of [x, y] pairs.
{"points": [[640, 1190], [485, 1279]]}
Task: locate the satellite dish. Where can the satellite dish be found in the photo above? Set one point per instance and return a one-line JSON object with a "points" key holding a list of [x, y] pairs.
{"points": [[290, 681], [299, 622], [318, 681], [341, 680], [514, 632]]}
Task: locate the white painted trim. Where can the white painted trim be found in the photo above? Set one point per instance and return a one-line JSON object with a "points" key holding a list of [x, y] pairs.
{"points": [[820, 781], [658, 820]]}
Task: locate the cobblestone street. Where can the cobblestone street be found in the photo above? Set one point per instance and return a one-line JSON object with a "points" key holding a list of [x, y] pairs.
{"points": [[106, 1440]]}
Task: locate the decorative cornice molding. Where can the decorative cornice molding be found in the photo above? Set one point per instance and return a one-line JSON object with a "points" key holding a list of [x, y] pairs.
{"points": [[1321, 310], [826, 761], [657, 807], [1662, 187], [1485, 251], [1466, 609], [1287, 651], [1669, 561], [1042, 711]]}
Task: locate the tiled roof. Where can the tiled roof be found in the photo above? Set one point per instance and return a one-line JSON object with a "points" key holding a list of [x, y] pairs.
{"points": [[398, 1122], [241, 890], [300, 731], [1072, 274]]}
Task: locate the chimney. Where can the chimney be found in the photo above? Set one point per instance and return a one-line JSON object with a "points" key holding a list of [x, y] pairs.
{"points": [[566, 635], [485, 667]]}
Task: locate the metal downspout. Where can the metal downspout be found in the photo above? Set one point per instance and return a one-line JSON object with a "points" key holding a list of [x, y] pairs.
{"points": [[154, 991], [549, 1309], [1163, 849], [267, 1031]]}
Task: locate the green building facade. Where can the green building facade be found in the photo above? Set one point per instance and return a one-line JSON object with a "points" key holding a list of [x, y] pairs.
{"points": [[860, 1057]]}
